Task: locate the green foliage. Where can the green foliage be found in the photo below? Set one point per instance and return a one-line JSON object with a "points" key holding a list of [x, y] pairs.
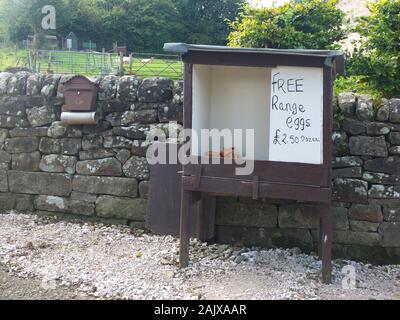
{"points": [[378, 58], [311, 24], [142, 25], [356, 84], [205, 21]]}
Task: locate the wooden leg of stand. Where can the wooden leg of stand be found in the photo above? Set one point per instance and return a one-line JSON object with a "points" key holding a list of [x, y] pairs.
{"points": [[185, 229], [326, 243]]}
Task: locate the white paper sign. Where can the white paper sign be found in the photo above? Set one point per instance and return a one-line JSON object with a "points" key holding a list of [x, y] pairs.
{"points": [[296, 123]]}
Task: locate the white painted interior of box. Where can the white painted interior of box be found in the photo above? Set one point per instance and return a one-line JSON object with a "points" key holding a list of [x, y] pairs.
{"points": [[226, 97]]}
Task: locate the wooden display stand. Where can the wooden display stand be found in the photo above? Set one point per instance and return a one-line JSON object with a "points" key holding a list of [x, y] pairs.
{"points": [[286, 97]]}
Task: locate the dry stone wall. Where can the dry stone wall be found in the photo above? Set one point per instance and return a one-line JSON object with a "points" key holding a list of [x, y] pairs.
{"points": [[97, 172], [101, 173]]}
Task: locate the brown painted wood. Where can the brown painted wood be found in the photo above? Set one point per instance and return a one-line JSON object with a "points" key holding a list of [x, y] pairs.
{"points": [[276, 180], [327, 126], [163, 205], [250, 59], [256, 182], [206, 208], [188, 96], [266, 170], [184, 228], [326, 242], [244, 188]]}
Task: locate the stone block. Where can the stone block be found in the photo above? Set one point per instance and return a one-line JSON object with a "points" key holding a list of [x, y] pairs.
{"points": [[34, 84], [5, 158], [22, 144], [368, 146], [92, 141], [26, 161], [255, 214], [353, 126], [29, 132], [10, 122], [363, 226], [123, 208], [58, 163], [123, 187], [12, 106], [390, 232], [3, 135], [96, 154], [133, 132], [353, 172], [57, 130], [3, 180], [75, 195], [17, 83], [64, 205], [365, 107], [378, 128], [127, 89], [40, 183], [50, 85], [347, 102], [70, 146], [4, 78], [137, 167], [346, 162], [357, 238], [395, 151], [394, 110], [100, 167], [40, 116], [113, 106], [394, 138], [378, 191], [170, 112], [155, 90], [390, 165], [299, 216], [340, 143], [350, 190], [381, 178], [340, 219], [383, 111], [49, 145], [391, 214], [117, 142], [264, 237], [18, 202], [108, 87], [123, 155], [144, 189], [370, 212]]}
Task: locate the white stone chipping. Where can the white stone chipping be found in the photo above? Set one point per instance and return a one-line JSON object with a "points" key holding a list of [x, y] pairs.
{"points": [[110, 262]]}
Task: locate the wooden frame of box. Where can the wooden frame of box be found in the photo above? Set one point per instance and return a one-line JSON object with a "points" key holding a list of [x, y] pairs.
{"points": [[289, 180]]}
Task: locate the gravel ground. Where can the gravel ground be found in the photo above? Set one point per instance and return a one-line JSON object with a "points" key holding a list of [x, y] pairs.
{"points": [[74, 261]]}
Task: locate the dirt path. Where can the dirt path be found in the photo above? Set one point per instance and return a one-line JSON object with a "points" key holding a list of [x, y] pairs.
{"points": [[61, 260], [14, 288]]}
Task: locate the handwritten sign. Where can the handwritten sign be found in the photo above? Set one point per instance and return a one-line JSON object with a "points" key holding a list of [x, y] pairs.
{"points": [[296, 115]]}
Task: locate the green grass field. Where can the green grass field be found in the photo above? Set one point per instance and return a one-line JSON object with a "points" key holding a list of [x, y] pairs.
{"points": [[91, 64], [9, 57]]}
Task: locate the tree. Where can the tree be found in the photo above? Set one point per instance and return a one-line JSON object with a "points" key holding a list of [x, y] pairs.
{"points": [[206, 21], [378, 58], [311, 24]]}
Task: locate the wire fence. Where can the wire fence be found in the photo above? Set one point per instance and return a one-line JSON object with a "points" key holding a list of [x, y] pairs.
{"points": [[91, 63]]}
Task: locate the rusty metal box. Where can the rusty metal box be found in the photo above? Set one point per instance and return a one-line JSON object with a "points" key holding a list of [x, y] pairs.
{"points": [[80, 94]]}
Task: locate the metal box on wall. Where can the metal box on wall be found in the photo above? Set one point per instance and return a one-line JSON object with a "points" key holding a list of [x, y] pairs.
{"points": [[80, 94], [80, 102]]}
